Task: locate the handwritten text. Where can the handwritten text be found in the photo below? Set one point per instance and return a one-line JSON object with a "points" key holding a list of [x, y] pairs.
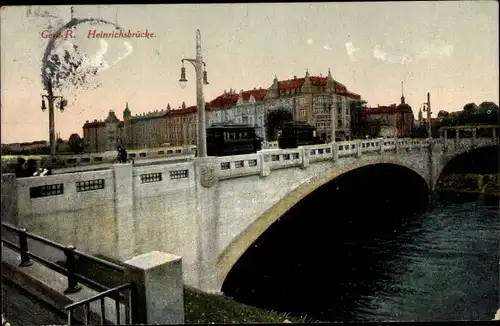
{"points": [[64, 34]]}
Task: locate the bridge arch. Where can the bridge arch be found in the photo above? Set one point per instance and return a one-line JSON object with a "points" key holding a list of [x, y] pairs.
{"points": [[232, 253], [471, 159]]}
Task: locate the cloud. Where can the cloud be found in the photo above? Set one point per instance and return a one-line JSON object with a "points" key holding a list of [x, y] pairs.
{"points": [[379, 53], [435, 51], [310, 42], [351, 51], [391, 56], [326, 47]]}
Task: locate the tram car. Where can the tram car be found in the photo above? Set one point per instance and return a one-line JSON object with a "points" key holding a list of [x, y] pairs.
{"points": [[232, 139], [295, 134]]}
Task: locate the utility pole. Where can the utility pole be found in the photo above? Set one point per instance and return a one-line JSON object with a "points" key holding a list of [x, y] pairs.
{"points": [[333, 116], [52, 129], [429, 112], [201, 79]]}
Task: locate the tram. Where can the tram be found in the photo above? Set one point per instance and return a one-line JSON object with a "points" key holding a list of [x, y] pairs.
{"points": [[295, 134], [232, 139]]}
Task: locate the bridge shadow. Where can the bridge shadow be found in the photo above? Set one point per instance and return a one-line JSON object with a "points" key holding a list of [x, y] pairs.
{"points": [[331, 244], [464, 174]]}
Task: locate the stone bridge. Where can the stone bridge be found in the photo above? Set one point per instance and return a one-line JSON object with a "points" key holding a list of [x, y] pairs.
{"points": [[207, 210]]}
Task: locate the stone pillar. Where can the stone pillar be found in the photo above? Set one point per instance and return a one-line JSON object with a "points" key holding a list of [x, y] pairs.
{"points": [[335, 151], [381, 145], [264, 164], [9, 199], [474, 134], [396, 145], [494, 133], [359, 148], [445, 133], [158, 298], [208, 211], [304, 154], [124, 210]]}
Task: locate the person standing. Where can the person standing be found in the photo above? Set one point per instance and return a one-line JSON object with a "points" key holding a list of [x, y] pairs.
{"points": [[20, 169], [31, 167]]}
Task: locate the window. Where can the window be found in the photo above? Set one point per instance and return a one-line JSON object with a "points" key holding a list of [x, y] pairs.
{"points": [[151, 177], [89, 185], [48, 190], [179, 174]]}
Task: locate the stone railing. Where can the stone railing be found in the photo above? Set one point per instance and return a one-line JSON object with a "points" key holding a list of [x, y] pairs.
{"points": [[266, 160], [89, 159]]}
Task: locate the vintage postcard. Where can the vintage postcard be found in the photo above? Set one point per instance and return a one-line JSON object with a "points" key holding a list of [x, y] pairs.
{"points": [[250, 162]]}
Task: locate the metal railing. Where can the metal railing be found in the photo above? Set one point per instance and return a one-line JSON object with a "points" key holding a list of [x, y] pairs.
{"points": [[73, 278], [111, 293]]}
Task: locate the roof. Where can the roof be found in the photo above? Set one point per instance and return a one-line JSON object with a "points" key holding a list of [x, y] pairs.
{"points": [[315, 81], [224, 101], [391, 109], [151, 115], [258, 94], [94, 124], [188, 110], [404, 108], [382, 110]]}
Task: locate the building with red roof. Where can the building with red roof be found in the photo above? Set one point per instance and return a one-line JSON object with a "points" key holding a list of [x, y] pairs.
{"points": [[310, 99], [395, 120]]}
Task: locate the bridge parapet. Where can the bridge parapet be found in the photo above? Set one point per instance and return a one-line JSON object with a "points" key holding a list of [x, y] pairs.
{"points": [[273, 159]]}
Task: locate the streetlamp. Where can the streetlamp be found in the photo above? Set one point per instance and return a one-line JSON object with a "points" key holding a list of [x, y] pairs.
{"points": [[201, 79], [427, 108], [333, 117], [62, 104]]}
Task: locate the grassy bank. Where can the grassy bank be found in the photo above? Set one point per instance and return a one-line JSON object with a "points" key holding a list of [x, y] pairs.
{"points": [[481, 184], [200, 307]]}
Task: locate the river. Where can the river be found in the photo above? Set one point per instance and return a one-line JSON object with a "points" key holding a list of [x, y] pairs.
{"points": [[442, 265], [439, 265]]}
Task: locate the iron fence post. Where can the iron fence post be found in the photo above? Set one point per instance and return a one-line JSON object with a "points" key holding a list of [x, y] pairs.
{"points": [[23, 248], [73, 286]]}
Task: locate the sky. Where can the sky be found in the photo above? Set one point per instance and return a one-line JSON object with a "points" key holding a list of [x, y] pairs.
{"points": [[447, 48]]}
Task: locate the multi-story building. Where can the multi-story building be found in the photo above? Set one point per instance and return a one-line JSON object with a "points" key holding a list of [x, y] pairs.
{"points": [[139, 131], [395, 120], [94, 136], [309, 99]]}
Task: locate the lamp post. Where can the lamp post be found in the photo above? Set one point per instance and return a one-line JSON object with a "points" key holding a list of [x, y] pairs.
{"points": [[333, 117], [201, 79], [427, 108], [51, 98]]}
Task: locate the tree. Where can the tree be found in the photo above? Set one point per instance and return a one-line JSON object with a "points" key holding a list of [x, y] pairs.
{"points": [[275, 119], [489, 113], [75, 143], [359, 121]]}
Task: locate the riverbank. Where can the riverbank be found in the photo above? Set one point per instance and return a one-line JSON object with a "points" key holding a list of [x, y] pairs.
{"points": [[199, 307], [483, 187]]}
